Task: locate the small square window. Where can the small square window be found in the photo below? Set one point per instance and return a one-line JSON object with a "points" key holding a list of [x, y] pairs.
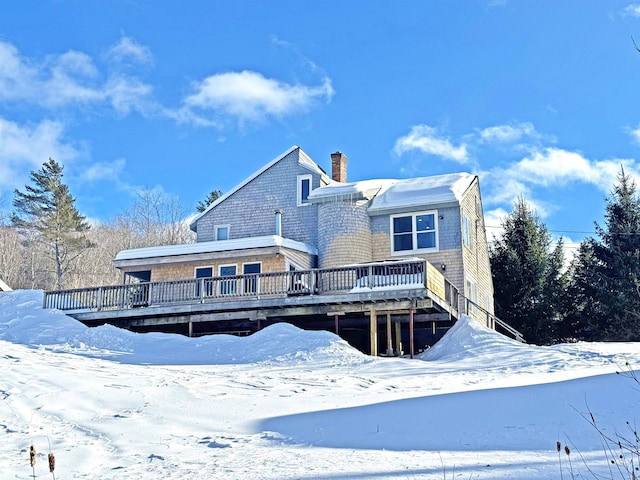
{"points": [[222, 232]]}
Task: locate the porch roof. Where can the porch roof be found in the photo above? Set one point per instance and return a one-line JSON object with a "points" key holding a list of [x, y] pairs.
{"points": [[215, 246]]}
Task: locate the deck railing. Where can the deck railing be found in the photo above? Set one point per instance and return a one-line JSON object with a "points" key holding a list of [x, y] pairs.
{"points": [[478, 313], [355, 278]]}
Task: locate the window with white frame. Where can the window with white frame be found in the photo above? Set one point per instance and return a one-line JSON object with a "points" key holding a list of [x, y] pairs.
{"points": [[466, 232], [415, 232], [228, 287], [303, 189], [222, 232], [204, 283], [251, 270]]}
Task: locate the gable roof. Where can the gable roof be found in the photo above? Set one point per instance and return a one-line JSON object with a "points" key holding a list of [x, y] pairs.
{"points": [[303, 159], [418, 192]]}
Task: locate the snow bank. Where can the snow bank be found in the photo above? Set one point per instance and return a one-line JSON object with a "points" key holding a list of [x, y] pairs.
{"points": [[24, 321]]}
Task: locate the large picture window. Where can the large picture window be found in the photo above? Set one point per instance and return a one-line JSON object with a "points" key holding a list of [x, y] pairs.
{"points": [[415, 232]]}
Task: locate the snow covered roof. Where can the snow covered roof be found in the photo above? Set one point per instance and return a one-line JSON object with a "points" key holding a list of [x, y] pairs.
{"points": [[365, 189], [415, 192], [303, 159], [216, 246]]}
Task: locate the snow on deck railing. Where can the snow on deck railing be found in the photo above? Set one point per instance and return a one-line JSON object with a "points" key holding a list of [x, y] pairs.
{"points": [[393, 275]]}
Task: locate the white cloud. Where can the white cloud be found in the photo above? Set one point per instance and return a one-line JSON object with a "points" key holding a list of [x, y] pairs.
{"points": [[428, 140], [552, 168], [634, 133], [508, 133], [104, 171], [558, 167], [631, 10], [128, 51], [27, 148], [493, 220], [249, 96], [68, 79]]}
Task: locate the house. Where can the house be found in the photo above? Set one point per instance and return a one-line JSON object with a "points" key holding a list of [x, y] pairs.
{"points": [[291, 216]]}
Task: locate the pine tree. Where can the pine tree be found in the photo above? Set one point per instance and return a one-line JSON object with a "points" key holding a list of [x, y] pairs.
{"points": [[528, 275], [583, 304], [615, 283], [45, 213], [212, 197]]}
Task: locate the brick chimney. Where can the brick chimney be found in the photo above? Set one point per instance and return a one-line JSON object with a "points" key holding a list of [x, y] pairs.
{"points": [[339, 167]]}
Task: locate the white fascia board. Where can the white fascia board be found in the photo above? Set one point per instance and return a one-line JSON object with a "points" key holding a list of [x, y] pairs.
{"points": [[215, 246]]}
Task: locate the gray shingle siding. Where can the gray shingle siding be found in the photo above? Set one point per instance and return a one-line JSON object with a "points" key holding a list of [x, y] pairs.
{"points": [[344, 233], [250, 211]]}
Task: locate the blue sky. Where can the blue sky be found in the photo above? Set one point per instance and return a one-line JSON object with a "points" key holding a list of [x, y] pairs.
{"points": [[539, 98]]}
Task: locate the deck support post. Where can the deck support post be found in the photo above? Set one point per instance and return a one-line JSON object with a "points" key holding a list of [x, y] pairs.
{"points": [[190, 328], [389, 339], [373, 320], [335, 320], [398, 339], [411, 346]]}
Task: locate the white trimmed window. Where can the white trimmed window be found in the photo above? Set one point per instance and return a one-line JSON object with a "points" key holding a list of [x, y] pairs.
{"points": [[416, 232], [466, 232], [222, 232], [303, 189], [204, 273], [228, 287], [251, 282]]}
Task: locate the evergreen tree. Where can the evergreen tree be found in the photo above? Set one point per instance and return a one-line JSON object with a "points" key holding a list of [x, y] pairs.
{"points": [[528, 276], [45, 213], [583, 306], [212, 197], [615, 267]]}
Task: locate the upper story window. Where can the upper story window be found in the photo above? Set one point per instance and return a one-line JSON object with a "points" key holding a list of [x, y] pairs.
{"points": [[417, 232], [304, 189], [466, 232], [222, 232]]}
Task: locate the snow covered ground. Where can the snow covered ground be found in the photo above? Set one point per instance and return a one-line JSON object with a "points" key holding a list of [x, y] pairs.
{"points": [[290, 404]]}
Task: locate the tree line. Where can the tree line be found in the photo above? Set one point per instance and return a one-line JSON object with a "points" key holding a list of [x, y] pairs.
{"points": [[46, 243], [595, 298]]}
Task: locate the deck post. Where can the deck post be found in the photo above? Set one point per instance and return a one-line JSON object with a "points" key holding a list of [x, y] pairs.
{"points": [[312, 282], [99, 299], [398, 339], [335, 320], [389, 339], [190, 328], [411, 346], [373, 331]]}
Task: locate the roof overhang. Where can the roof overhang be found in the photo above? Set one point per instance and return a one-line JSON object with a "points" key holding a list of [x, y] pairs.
{"points": [[193, 252]]}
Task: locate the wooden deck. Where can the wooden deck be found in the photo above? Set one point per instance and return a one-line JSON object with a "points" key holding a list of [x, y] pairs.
{"points": [[410, 291]]}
